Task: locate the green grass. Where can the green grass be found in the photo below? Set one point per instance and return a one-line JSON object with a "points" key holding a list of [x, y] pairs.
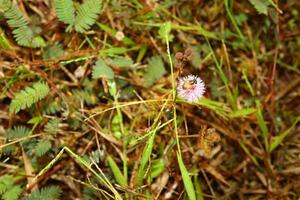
{"points": [[89, 107]]}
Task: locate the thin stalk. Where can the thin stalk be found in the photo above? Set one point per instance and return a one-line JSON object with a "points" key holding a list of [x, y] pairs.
{"points": [[172, 70], [173, 95], [119, 113]]}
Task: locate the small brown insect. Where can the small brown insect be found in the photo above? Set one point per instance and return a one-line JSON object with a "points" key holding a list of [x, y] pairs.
{"points": [[189, 84]]}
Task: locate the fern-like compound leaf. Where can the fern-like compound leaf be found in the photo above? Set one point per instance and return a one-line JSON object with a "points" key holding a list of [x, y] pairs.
{"points": [[13, 193], [9, 191], [52, 127], [53, 51], [89, 193], [18, 132], [81, 19], [5, 5], [87, 15], [155, 70], [65, 11], [42, 147], [15, 17], [28, 97], [6, 182], [46, 193], [23, 34]]}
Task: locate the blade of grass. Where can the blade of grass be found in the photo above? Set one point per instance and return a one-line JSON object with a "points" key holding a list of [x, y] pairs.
{"points": [[116, 172], [262, 124], [218, 107], [157, 168], [141, 53], [278, 140], [294, 68], [230, 97], [248, 153], [248, 83], [199, 193], [231, 17], [242, 112], [188, 184], [90, 42], [4, 42], [146, 155]]}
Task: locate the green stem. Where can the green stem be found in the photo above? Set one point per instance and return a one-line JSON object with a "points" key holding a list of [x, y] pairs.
{"points": [[119, 113], [174, 95], [172, 69]]}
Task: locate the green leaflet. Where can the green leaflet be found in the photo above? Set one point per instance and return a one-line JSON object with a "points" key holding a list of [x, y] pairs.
{"points": [[28, 97], [42, 147], [155, 70], [82, 18], [101, 70], [261, 6], [23, 33], [46, 193]]}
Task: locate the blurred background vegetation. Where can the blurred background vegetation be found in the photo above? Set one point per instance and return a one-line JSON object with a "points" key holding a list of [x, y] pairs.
{"points": [[89, 108]]}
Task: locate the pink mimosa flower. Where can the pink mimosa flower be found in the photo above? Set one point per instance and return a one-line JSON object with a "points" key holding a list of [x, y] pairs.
{"points": [[191, 88]]}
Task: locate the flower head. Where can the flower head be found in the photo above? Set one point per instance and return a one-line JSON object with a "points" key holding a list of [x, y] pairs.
{"points": [[191, 88]]}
